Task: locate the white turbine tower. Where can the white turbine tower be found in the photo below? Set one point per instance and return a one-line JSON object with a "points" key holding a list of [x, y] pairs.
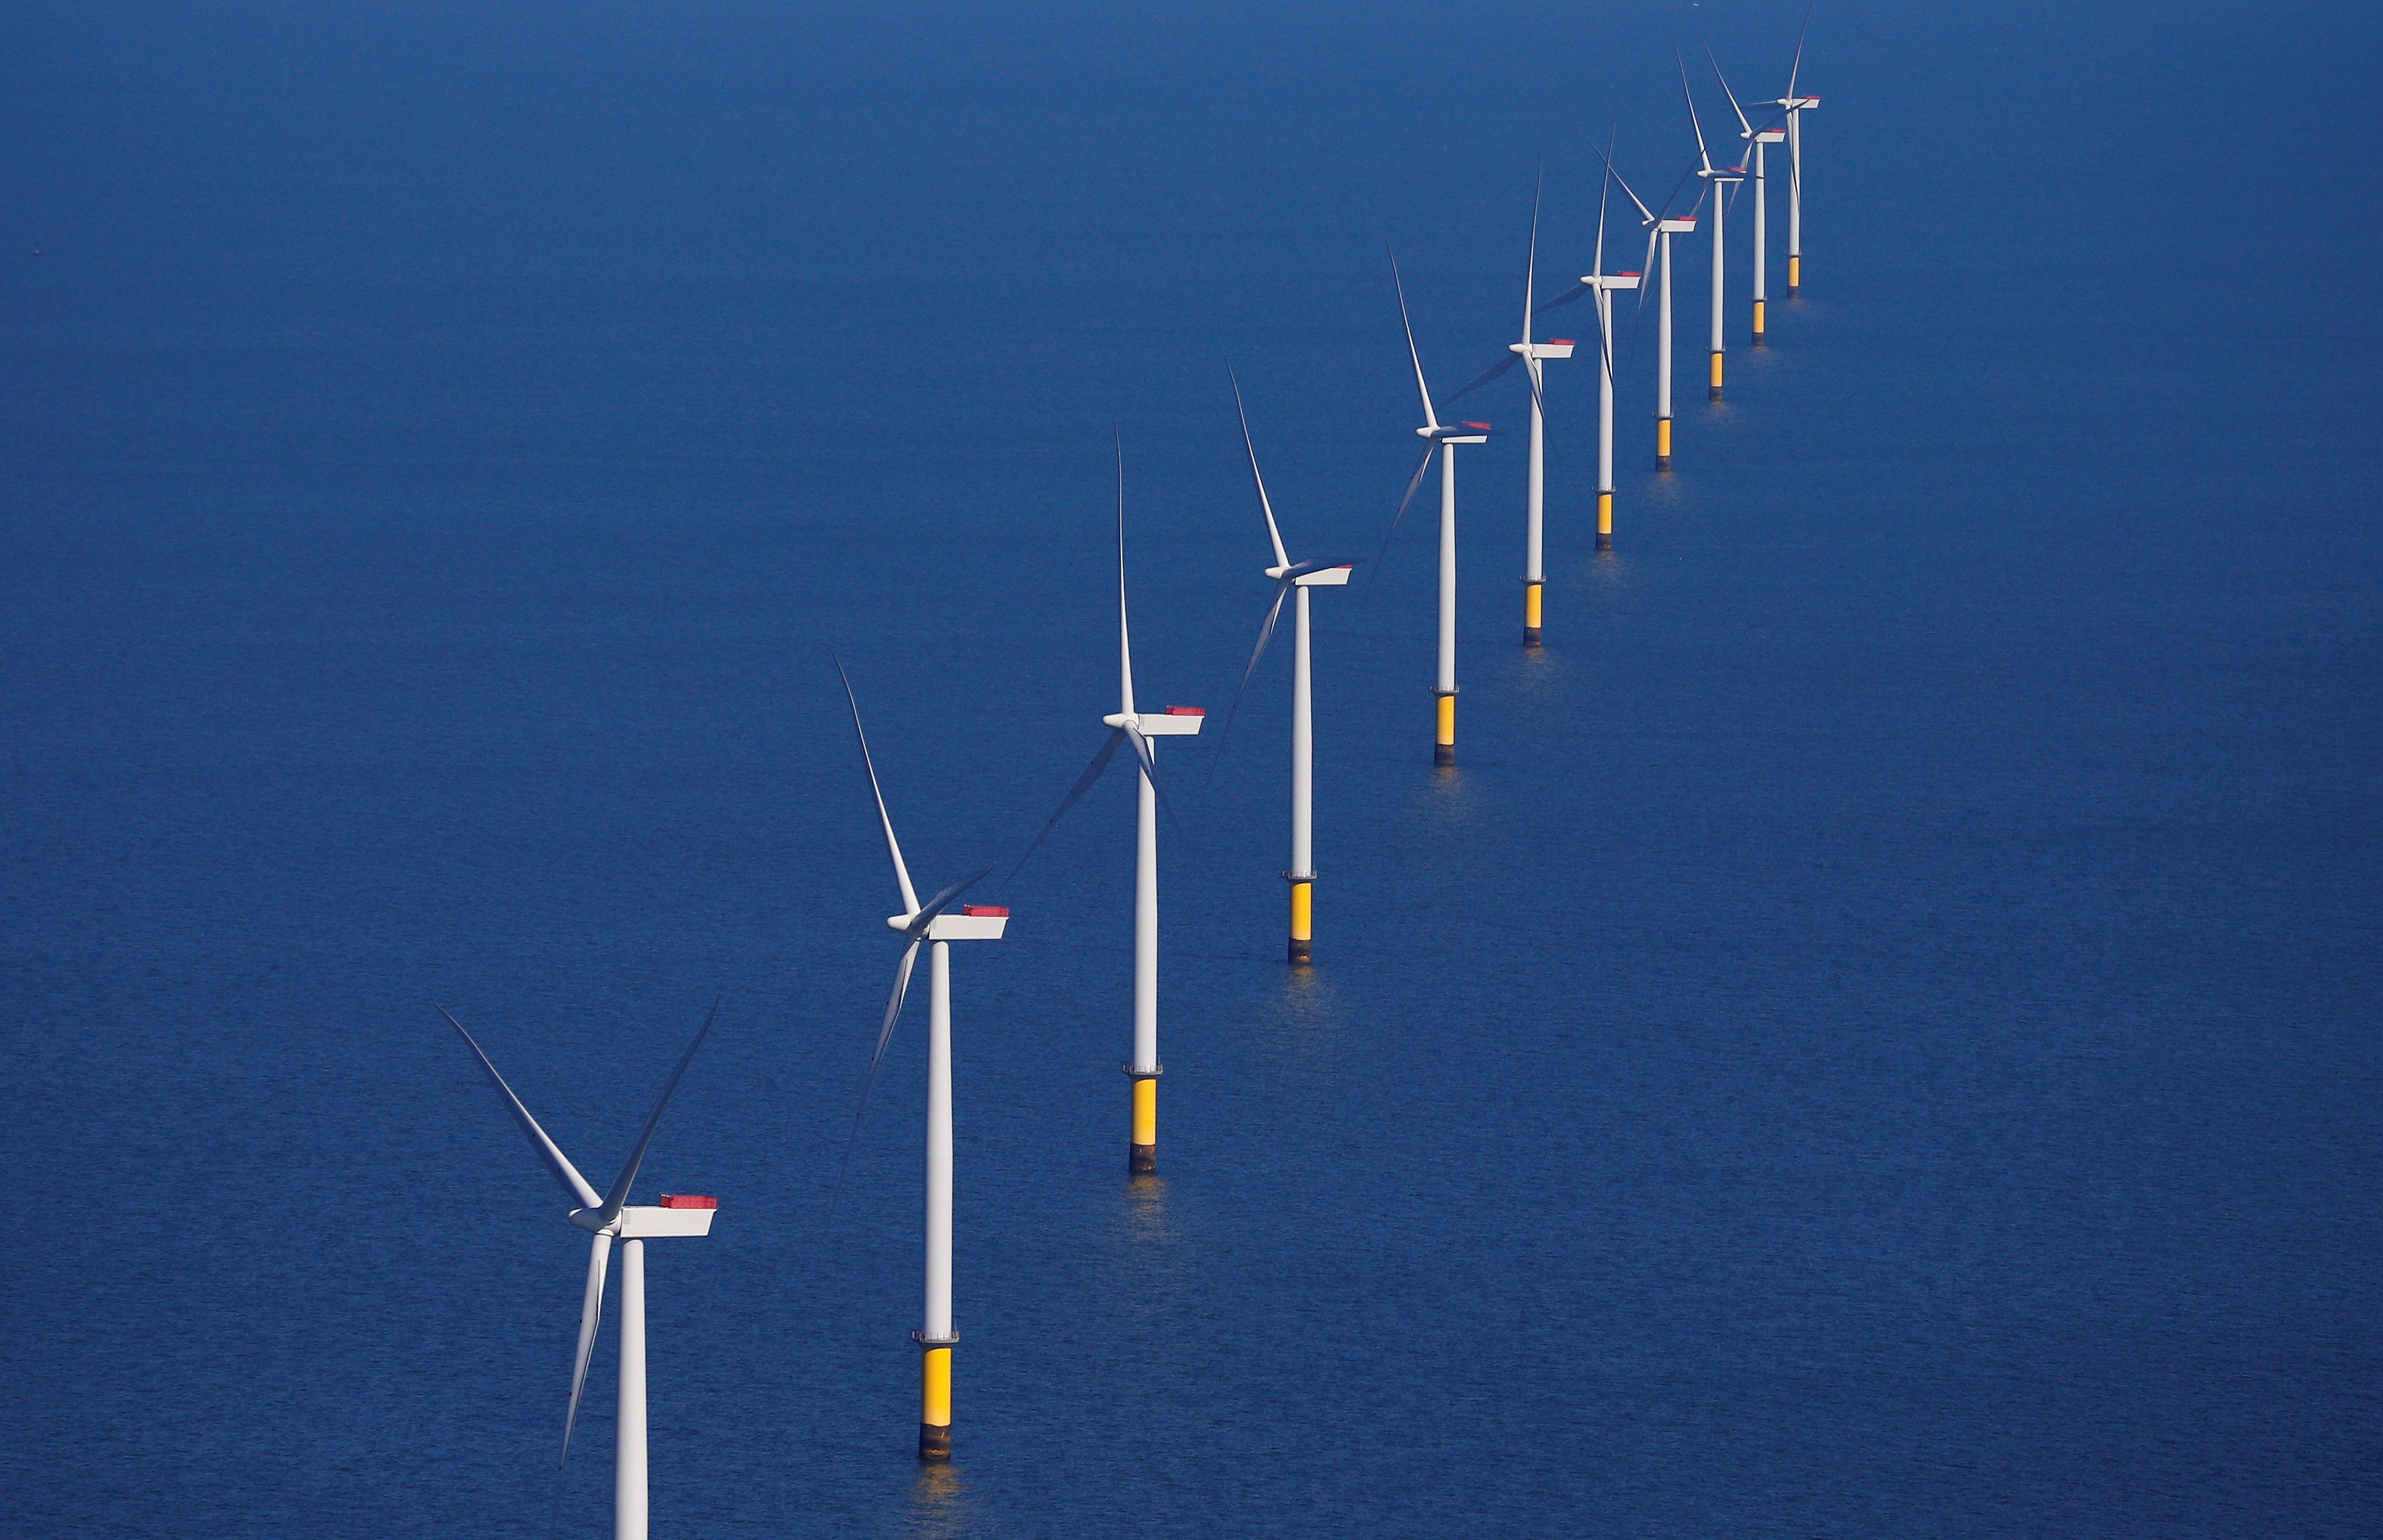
{"points": [[1129, 724], [1718, 181], [609, 1217], [1759, 139], [1290, 577], [929, 925], [1660, 228], [1796, 107], [1603, 286], [1535, 356], [1438, 437]]}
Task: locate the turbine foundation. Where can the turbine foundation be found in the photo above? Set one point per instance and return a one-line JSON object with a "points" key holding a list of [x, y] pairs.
{"points": [[1444, 750], [1758, 324], [1302, 921], [1531, 613], [1662, 443], [1142, 1158], [934, 1401], [1794, 274], [1715, 394], [1605, 520]]}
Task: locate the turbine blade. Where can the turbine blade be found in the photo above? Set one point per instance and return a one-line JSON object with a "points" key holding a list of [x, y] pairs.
{"points": [[1674, 195], [1157, 787], [1702, 155], [1798, 65], [1484, 377], [1430, 418], [1607, 157], [619, 1196], [1281, 558], [1567, 297], [1605, 328], [1265, 633], [884, 1036], [1125, 639], [1647, 269], [1412, 482], [1742, 123], [1604, 191], [892, 846], [1531, 263], [1075, 794], [893, 1014], [592, 1316], [575, 1185]]}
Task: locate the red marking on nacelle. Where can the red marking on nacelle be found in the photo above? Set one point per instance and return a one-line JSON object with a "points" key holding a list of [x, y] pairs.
{"points": [[1483, 426], [689, 1201], [1186, 710], [986, 911], [1560, 342]]}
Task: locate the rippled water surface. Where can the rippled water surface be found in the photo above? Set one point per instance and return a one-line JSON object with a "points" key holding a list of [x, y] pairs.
{"points": [[1875, 1037]]}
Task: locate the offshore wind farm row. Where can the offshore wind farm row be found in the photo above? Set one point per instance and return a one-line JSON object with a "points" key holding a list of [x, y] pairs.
{"points": [[933, 924]]}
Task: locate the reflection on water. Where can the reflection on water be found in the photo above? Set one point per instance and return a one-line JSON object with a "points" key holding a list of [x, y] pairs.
{"points": [[1146, 1259], [939, 1509], [1311, 1016], [1141, 1215]]}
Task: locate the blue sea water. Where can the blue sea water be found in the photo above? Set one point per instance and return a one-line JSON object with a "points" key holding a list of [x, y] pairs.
{"points": [[1877, 1035]]}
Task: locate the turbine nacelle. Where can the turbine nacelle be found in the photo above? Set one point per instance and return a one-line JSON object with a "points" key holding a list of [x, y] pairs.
{"points": [[681, 1216], [1176, 722], [1676, 226], [1796, 104], [1321, 577], [1456, 433], [1767, 136], [1554, 347], [1610, 280], [971, 922]]}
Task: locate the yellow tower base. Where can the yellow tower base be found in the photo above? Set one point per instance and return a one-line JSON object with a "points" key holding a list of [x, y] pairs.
{"points": [[935, 1403], [1795, 274], [1145, 1154], [1716, 378], [1662, 443], [1605, 520], [1757, 323], [1445, 751], [1302, 921], [1531, 615]]}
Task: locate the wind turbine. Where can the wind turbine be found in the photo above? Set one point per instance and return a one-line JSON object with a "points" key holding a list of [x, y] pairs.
{"points": [[1291, 577], [1604, 286], [929, 925], [1760, 139], [610, 1217], [1660, 228], [1533, 356], [1127, 724], [1438, 437], [1796, 107], [1717, 181]]}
